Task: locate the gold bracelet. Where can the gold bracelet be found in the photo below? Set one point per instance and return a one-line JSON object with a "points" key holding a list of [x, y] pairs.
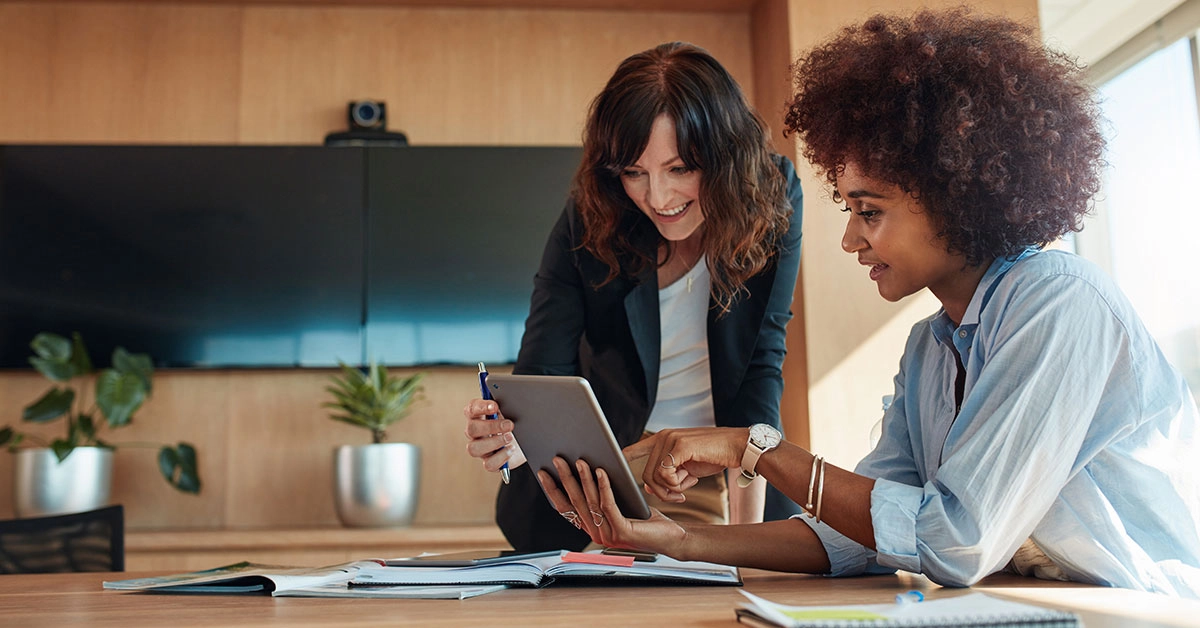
{"points": [[820, 492]]}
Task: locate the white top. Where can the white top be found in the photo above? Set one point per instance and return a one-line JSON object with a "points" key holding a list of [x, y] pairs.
{"points": [[684, 382]]}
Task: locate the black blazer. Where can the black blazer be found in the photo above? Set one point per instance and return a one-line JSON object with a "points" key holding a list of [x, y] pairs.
{"points": [[611, 335]]}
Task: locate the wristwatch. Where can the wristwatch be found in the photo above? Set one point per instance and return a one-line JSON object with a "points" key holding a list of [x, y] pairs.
{"points": [[763, 438]]}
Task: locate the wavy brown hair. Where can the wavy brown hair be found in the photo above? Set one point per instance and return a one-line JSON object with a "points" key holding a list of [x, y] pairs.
{"points": [[997, 136], [742, 193]]}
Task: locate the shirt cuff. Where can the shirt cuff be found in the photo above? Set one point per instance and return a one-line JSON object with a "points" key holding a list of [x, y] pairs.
{"points": [[846, 557], [894, 509]]}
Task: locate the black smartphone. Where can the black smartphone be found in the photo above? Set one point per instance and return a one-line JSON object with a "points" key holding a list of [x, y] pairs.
{"points": [[638, 555]]}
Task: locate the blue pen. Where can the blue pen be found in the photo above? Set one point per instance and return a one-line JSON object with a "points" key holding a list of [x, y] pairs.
{"points": [[487, 396]]}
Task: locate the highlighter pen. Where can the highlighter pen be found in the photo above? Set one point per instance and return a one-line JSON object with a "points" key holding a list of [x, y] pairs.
{"points": [[487, 396]]}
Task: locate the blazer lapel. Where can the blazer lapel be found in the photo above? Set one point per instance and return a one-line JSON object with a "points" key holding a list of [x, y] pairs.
{"points": [[731, 338], [641, 307]]}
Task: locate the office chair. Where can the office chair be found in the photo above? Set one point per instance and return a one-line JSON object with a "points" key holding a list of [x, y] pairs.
{"points": [[84, 541]]}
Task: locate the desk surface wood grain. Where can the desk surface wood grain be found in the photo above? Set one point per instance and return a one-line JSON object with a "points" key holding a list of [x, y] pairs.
{"points": [[62, 599]]}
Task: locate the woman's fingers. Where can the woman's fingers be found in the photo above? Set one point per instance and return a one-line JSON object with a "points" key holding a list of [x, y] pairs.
{"points": [[491, 440], [558, 499], [587, 501], [657, 534], [641, 449], [592, 494], [579, 502], [481, 409]]}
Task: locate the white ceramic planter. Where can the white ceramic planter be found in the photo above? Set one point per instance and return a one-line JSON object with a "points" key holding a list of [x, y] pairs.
{"points": [[376, 485], [44, 486]]}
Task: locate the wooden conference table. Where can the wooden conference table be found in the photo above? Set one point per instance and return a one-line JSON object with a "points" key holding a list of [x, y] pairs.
{"points": [[77, 599]]}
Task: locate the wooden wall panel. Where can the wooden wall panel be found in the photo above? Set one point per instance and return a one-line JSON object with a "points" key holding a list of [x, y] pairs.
{"points": [[451, 76], [772, 79], [119, 73]]}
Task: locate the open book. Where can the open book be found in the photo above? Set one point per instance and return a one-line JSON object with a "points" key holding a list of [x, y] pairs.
{"points": [[973, 609], [541, 570], [289, 582]]}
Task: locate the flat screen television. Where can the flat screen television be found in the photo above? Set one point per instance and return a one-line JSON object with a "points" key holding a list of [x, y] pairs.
{"points": [[267, 257], [454, 237]]}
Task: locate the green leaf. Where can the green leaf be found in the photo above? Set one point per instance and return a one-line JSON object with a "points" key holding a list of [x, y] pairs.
{"points": [[11, 438], [373, 399], [84, 430], [168, 460], [57, 371], [179, 468], [119, 395], [136, 363], [80, 360], [51, 346], [62, 448], [55, 403], [53, 357]]}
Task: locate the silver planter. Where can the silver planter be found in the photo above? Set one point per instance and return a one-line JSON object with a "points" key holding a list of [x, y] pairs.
{"points": [[376, 485], [44, 486]]}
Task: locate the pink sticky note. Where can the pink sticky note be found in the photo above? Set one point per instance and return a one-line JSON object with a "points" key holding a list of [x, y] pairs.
{"points": [[598, 559]]}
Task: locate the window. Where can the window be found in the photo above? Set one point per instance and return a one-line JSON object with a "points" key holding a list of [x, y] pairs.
{"points": [[1148, 216]]}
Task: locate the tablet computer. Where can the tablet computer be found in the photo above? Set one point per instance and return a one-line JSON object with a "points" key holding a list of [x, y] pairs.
{"points": [[557, 415]]}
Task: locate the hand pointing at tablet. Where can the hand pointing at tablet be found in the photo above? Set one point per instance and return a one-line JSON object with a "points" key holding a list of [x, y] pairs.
{"points": [[678, 458]]}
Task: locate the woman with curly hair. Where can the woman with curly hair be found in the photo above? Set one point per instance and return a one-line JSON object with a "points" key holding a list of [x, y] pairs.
{"points": [[667, 282], [1036, 425]]}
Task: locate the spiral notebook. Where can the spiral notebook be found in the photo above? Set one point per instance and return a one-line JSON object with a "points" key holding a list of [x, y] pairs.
{"points": [[973, 609]]}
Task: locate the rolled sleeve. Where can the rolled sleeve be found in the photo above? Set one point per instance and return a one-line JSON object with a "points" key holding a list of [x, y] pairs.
{"points": [[846, 557], [894, 509]]}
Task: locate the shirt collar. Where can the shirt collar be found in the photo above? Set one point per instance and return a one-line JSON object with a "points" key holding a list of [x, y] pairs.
{"points": [[943, 328]]}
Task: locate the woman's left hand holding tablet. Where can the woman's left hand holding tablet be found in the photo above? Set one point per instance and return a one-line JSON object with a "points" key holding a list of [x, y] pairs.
{"points": [[586, 499]]}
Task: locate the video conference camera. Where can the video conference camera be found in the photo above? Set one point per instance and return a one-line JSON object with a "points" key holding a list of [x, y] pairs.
{"points": [[368, 127]]}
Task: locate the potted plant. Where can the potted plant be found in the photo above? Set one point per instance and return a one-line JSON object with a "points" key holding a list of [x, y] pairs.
{"points": [[73, 473], [375, 485]]}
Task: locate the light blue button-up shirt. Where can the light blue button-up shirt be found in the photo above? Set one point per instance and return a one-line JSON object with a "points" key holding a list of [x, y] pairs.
{"points": [[1074, 432]]}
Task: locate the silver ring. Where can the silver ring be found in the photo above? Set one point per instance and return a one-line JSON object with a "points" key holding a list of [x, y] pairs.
{"points": [[597, 518], [663, 463], [573, 518]]}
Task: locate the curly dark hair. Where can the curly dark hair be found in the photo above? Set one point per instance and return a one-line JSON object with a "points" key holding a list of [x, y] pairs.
{"points": [[742, 192], [997, 136]]}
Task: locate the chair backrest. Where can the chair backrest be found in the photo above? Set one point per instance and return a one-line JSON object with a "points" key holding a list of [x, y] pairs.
{"points": [[83, 541]]}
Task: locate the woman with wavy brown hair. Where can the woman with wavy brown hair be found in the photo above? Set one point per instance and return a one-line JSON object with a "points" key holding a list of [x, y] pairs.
{"points": [[666, 282], [1036, 426]]}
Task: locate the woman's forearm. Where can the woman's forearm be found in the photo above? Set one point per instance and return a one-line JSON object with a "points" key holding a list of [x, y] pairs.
{"points": [[844, 496], [787, 545]]}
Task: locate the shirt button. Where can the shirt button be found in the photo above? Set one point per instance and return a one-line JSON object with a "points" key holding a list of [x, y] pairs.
{"points": [[962, 333]]}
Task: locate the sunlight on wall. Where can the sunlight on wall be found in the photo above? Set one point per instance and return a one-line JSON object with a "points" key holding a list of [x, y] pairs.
{"points": [[843, 415]]}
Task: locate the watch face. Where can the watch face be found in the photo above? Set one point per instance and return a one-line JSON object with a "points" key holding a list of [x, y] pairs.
{"points": [[764, 436]]}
